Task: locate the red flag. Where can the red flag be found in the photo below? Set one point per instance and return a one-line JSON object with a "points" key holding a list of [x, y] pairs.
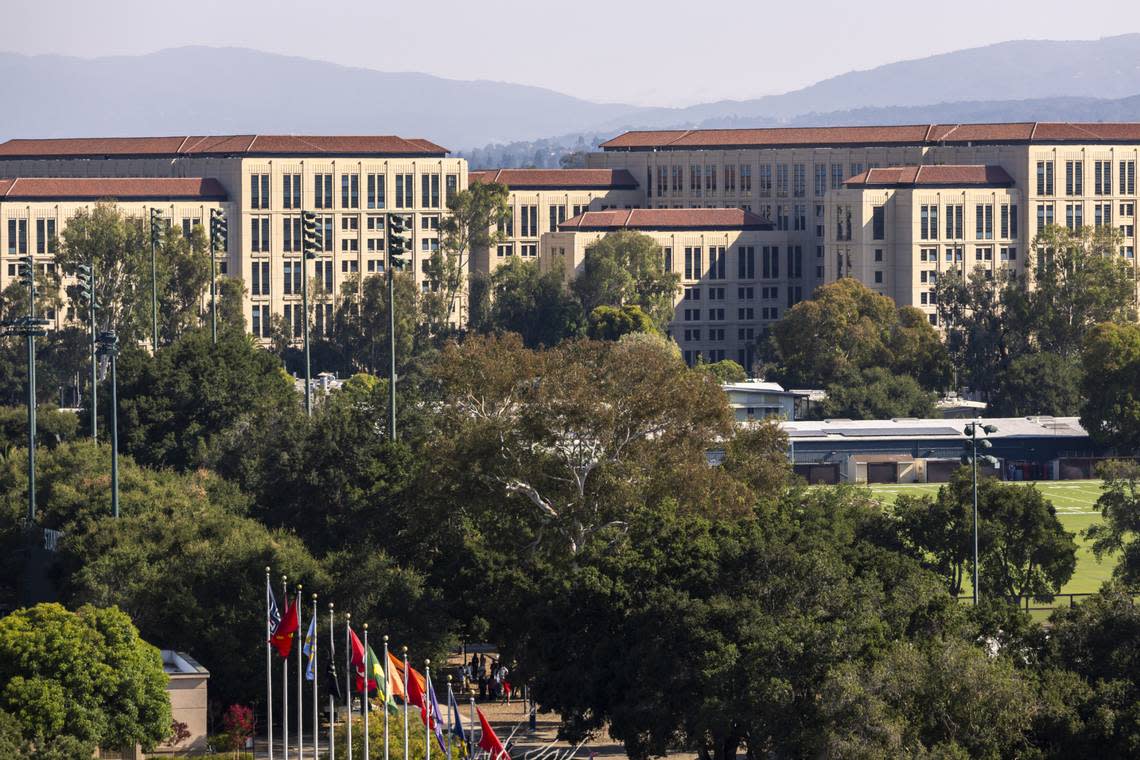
{"points": [[488, 740], [282, 636], [357, 659], [416, 695]]}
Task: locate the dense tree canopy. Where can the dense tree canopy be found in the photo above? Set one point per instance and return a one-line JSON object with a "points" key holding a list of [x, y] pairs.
{"points": [[847, 328], [82, 676], [627, 268], [1023, 546], [173, 404], [518, 297], [1111, 385]]}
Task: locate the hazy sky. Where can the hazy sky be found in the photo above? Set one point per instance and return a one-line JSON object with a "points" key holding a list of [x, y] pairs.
{"points": [[660, 52]]}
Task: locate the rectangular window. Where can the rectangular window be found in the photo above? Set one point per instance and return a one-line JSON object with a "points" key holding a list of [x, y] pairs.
{"points": [[1044, 177], [1074, 178], [694, 268], [291, 191], [820, 179], [259, 191], [375, 190], [795, 262], [325, 230], [799, 217], [730, 179], [878, 223], [745, 263], [259, 234], [959, 223], [1127, 178], [451, 189], [528, 218], [1074, 216], [842, 222], [766, 180], [1102, 213], [836, 176], [1102, 177], [770, 262], [350, 190], [429, 190], [1008, 254], [799, 180], [746, 178], [322, 191], [404, 191], [291, 281], [291, 239], [557, 217], [781, 179], [1044, 215], [710, 179], [716, 262]]}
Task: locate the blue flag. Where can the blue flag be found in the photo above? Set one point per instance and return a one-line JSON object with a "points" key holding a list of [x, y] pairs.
{"points": [[436, 718], [457, 727], [310, 649]]}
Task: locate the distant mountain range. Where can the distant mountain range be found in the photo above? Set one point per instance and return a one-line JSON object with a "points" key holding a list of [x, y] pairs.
{"points": [[234, 90]]}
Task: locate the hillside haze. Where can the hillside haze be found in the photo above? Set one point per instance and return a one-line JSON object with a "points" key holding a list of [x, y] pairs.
{"points": [[235, 90], [199, 90]]}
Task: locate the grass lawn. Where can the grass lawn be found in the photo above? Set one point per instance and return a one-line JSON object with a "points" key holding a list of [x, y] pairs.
{"points": [[1075, 501]]}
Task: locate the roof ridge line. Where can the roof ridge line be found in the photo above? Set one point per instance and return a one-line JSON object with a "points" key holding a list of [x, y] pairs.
{"points": [[252, 140], [629, 218], [182, 144], [685, 134]]}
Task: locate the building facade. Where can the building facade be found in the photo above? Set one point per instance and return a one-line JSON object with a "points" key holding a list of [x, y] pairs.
{"points": [[894, 206], [1070, 174], [542, 199], [34, 212], [726, 260], [351, 183]]}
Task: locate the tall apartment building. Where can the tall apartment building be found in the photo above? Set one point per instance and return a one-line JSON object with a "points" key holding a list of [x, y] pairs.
{"points": [[351, 183]]}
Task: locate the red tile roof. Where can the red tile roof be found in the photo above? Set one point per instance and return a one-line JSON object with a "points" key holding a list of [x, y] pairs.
{"points": [[667, 219], [557, 179], [921, 134], [938, 175], [87, 188], [244, 145]]}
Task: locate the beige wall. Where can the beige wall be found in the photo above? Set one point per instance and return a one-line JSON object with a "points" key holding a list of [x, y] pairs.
{"points": [[731, 312], [60, 212], [905, 266], [551, 206]]}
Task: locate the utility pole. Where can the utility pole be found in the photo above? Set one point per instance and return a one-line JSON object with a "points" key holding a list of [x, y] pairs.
{"points": [[311, 241], [155, 234], [29, 327], [971, 456], [109, 346], [399, 256], [219, 234]]}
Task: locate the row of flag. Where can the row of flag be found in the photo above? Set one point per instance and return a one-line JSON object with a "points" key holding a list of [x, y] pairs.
{"points": [[368, 674]]}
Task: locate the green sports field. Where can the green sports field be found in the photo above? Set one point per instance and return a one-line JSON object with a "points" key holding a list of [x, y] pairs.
{"points": [[1075, 501]]}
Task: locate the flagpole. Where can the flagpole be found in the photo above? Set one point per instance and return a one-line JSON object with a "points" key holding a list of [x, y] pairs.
{"points": [[332, 700], [387, 695], [300, 682], [285, 680], [269, 661], [348, 681], [448, 727], [471, 740], [316, 673], [364, 706], [406, 742], [427, 710]]}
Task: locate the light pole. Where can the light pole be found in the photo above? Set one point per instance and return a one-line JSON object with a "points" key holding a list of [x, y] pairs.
{"points": [[311, 243], [219, 232], [399, 250], [971, 456], [109, 347], [85, 274], [30, 327], [155, 232]]}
